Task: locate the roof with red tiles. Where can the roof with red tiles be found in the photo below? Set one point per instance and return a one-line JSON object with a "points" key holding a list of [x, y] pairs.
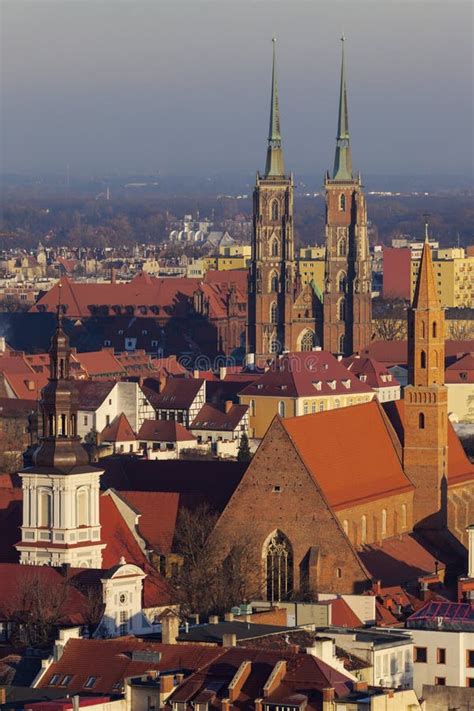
{"points": [[24, 381], [400, 559], [306, 374], [396, 352], [13, 407], [461, 371], [100, 363], [369, 371], [178, 393], [92, 393], [164, 431], [334, 446], [210, 417], [157, 530], [119, 430], [113, 660], [342, 614]]}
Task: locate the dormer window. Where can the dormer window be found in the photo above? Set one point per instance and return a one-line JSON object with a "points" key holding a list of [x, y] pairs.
{"points": [[90, 682], [318, 385], [362, 378], [347, 384], [332, 384]]}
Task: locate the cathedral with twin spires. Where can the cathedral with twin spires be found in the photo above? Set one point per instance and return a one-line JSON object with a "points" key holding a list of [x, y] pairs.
{"points": [[283, 315]]}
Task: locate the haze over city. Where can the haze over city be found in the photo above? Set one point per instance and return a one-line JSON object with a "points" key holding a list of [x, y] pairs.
{"points": [[183, 87]]}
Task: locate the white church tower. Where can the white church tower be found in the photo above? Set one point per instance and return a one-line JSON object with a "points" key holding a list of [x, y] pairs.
{"points": [[61, 521]]}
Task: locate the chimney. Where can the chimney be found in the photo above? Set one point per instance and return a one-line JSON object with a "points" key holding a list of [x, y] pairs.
{"points": [[225, 704], [229, 617], [470, 565], [179, 678], [258, 704], [222, 372], [228, 406], [195, 373], [169, 627], [361, 686], [166, 683], [229, 639], [3, 344], [424, 590], [3, 695], [328, 699], [213, 619], [377, 586]]}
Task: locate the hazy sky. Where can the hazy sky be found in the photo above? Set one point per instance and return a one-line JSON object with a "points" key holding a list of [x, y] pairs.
{"points": [[182, 86]]}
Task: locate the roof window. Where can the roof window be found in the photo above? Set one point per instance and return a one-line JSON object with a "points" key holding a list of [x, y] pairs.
{"points": [[54, 679], [90, 681], [66, 680], [332, 384], [346, 383], [318, 385]]}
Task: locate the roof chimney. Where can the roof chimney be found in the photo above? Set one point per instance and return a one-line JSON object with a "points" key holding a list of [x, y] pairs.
{"points": [[229, 639], [213, 619], [228, 405], [229, 617]]}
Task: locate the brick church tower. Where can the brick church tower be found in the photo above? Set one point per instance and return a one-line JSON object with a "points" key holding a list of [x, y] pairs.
{"points": [[281, 315], [347, 290], [425, 447]]}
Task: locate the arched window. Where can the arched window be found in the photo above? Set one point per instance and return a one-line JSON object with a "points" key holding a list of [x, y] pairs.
{"points": [[423, 329], [321, 407], [274, 247], [421, 421], [341, 282], [363, 529], [278, 556], [82, 507], [273, 312], [342, 343], [273, 281], [281, 408], [337, 403], [384, 521], [313, 406], [423, 359], [305, 407], [341, 310], [342, 202], [307, 341], [341, 247], [435, 358], [274, 210], [434, 329], [45, 509]]}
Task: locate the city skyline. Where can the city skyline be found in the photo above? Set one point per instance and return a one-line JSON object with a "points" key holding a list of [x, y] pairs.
{"points": [[87, 103]]}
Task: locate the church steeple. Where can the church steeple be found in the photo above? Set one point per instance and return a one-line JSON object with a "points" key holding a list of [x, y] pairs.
{"points": [[343, 157], [275, 165], [425, 295]]}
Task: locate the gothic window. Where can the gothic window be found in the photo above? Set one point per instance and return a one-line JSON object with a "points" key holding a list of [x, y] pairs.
{"points": [[384, 521], [281, 408], [422, 329], [274, 247], [342, 202], [341, 310], [278, 556], [434, 329], [273, 312], [421, 421], [363, 529], [274, 211], [341, 281], [341, 247], [307, 341], [423, 359], [82, 508], [273, 281], [45, 509]]}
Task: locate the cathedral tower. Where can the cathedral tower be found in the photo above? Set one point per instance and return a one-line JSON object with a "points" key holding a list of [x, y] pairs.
{"points": [[347, 289], [425, 399], [61, 490]]}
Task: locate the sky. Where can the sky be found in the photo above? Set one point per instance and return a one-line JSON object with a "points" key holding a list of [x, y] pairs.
{"points": [[182, 87]]}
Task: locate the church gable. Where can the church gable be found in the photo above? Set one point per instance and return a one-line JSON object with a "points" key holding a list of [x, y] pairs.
{"points": [[279, 508]]}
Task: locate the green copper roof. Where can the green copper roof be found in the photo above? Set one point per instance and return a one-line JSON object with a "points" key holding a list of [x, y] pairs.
{"points": [[275, 164], [343, 158]]}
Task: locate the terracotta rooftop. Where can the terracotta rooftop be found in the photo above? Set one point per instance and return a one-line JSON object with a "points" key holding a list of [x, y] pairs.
{"points": [[350, 443], [100, 363], [396, 352], [369, 371], [461, 371], [92, 393], [164, 431], [119, 430], [306, 374], [210, 417], [178, 393]]}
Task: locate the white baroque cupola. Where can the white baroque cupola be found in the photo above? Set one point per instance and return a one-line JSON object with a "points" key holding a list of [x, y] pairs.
{"points": [[61, 522]]}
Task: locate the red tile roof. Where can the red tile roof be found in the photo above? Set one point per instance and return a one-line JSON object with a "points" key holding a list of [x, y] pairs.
{"points": [[100, 363], [307, 374], [164, 431], [350, 453], [461, 371], [158, 531], [376, 374], [210, 417], [342, 615], [178, 393], [112, 660], [396, 352], [119, 430]]}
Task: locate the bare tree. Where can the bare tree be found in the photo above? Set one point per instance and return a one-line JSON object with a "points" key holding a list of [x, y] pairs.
{"points": [[460, 329], [389, 329], [209, 579]]}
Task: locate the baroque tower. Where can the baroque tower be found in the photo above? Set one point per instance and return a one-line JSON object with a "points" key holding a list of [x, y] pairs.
{"points": [[347, 307], [425, 447], [61, 490], [281, 314]]}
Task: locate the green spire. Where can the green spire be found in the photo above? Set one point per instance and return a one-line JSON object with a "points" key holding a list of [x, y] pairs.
{"points": [[343, 159], [275, 165]]}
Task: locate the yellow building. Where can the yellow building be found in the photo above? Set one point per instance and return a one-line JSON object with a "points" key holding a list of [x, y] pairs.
{"points": [[311, 266], [454, 274], [299, 384], [236, 256]]}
